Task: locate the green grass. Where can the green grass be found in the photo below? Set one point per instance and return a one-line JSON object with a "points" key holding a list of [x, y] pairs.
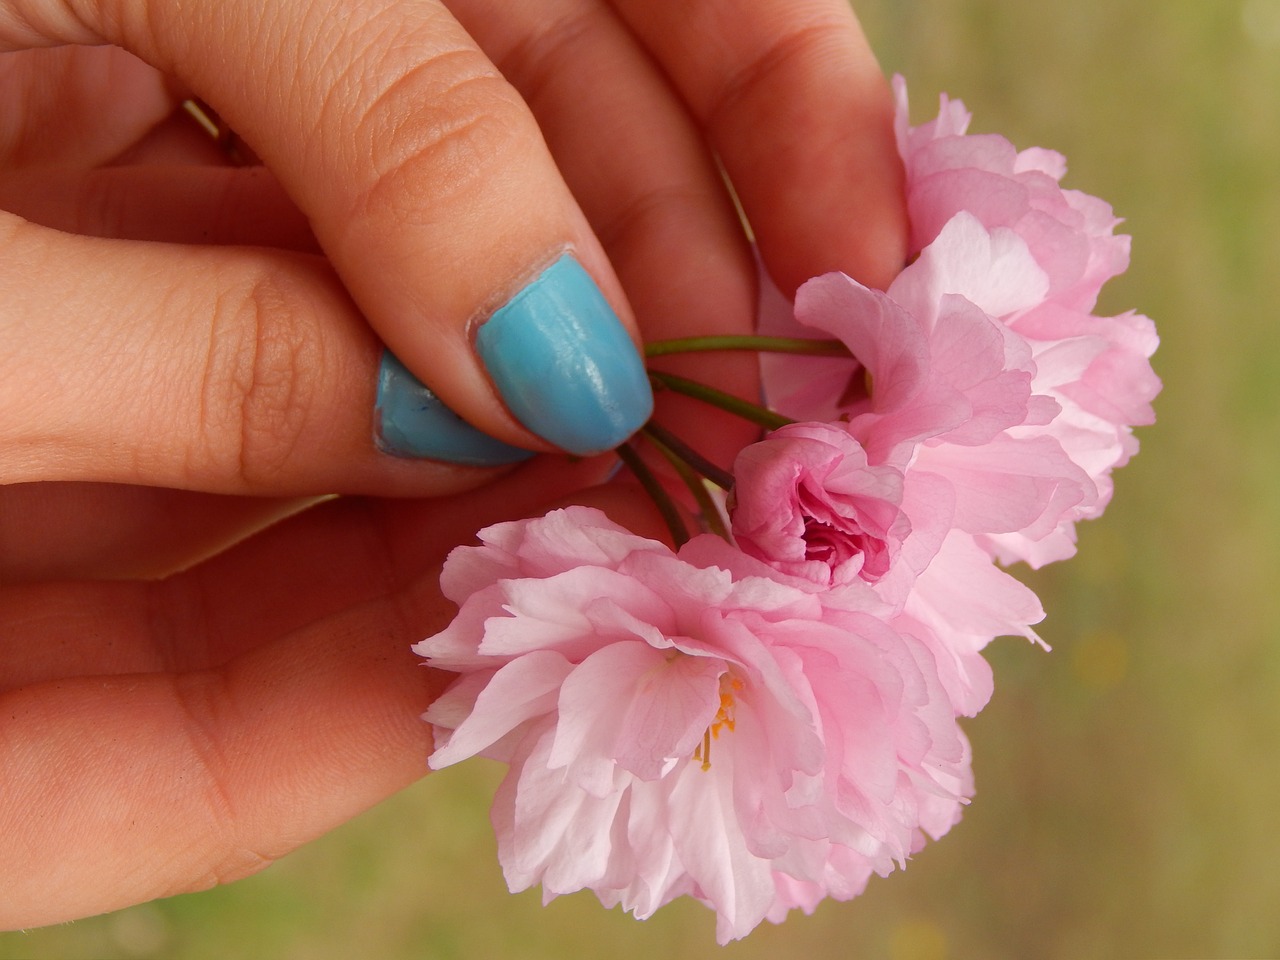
{"points": [[1127, 781]]}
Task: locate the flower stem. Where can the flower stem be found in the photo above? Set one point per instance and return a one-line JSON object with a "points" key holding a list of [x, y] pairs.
{"points": [[689, 472], [718, 398], [666, 506], [801, 345], [662, 437]]}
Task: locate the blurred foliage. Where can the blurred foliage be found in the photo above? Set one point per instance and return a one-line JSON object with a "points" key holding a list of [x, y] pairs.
{"points": [[1127, 781]]}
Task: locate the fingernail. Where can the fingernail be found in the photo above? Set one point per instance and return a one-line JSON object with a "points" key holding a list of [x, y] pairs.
{"points": [[411, 421], [564, 364]]}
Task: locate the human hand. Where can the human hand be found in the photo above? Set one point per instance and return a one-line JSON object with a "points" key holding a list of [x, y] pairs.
{"points": [[233, 358], [435, 192], [163, 737]]}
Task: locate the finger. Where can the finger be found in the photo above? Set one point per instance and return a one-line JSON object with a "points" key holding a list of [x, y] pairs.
{"points": [[223, 369], [284, 578], [172, 203], [646, 182], [345, 552], [153, 785], [73, 106], [150, 785], [64, 531], [429, 186], [794, 103]]}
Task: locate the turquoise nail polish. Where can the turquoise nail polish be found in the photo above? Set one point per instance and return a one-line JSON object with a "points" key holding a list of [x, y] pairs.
{"points": [[564, 364], [411, 421]]}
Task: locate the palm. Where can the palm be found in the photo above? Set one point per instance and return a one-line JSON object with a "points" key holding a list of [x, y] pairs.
{"points": [[178, 733]]}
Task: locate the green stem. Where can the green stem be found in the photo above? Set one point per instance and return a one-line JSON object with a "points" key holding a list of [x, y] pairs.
{"points": [[664, 437], [666, 506], [801, 345], [689, 474], [718, 398]]}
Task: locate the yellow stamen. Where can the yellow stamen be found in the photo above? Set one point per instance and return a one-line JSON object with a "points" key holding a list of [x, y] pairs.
{"points": [[723, 719]]}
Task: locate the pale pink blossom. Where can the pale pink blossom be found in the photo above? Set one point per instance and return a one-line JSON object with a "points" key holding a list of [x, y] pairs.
{"points": [[691, 723], [807, 503], [764, 723], [948, 171], [943, 366], [981, 362], [1096, 369], [956, 607], [952, 386]]}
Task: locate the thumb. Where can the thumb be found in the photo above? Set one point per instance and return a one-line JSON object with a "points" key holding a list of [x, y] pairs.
{"points": [[429, 186]]}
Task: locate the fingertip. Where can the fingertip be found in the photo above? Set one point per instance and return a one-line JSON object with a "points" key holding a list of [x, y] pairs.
{"points": [[410, 421], [563, 362]]}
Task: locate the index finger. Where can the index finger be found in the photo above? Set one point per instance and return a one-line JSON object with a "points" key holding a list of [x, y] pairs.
{"points": [[427, 182]]}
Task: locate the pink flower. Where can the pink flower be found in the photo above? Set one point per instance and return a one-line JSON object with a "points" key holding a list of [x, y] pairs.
{"points": [[943, 366], [764, 723], [952, 392], [807, 503], [981, 362], [689, 723], [1069, 233], [956, 607], [1095, 368]]}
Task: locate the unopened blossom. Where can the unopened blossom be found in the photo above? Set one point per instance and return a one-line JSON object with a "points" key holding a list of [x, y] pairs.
{"points": [[691, 723], [807, 502]]}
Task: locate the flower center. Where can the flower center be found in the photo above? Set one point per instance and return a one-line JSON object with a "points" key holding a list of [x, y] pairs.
{"points": [[858, 389], [723, 720], [827, 544]]}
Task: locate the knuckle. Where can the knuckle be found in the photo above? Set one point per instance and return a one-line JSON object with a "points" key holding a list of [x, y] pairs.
{"points": [[200, 700], [218, 852], [437, 134], [798, 51], [259, 388], [652, 215], [535, 62]]}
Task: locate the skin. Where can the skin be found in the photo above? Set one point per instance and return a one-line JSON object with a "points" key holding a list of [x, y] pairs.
{"points": [[202, 667]]}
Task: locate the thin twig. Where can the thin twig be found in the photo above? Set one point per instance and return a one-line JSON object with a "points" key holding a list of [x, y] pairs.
{"points": [[718, 398], [720, 477], [758, 344], [688, 473], [652, 486]]}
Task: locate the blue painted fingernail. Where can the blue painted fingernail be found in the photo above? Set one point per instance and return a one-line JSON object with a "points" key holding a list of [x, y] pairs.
{"points": [[411, 421], [564, 363]]}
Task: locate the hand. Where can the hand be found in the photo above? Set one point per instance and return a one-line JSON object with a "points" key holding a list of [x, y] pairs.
{"points": [[192, 350], [162, 737]]}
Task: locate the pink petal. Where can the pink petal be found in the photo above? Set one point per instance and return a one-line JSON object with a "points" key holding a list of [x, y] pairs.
{"points": [[639, 708], [522, 690]]}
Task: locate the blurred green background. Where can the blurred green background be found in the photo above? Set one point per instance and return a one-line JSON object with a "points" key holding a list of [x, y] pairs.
{"points": [[1129, 781]]}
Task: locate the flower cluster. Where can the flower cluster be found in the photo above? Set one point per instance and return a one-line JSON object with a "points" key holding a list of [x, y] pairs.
{"points": [[766, 715]]}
